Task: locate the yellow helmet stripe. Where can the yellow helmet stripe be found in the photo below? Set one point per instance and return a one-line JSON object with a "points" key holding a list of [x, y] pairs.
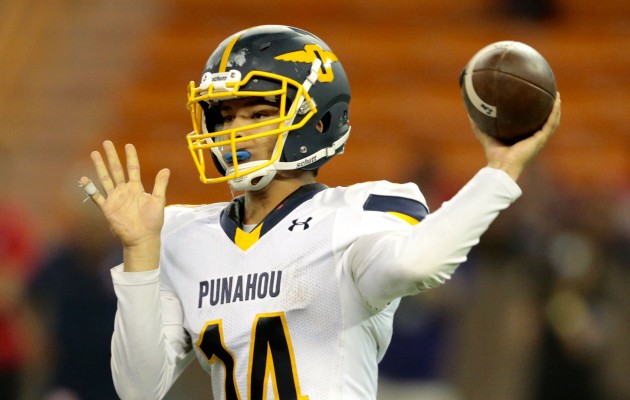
{"points": [[228, 50]]}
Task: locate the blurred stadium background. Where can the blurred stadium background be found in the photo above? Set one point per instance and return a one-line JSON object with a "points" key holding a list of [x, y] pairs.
{"points": [[73, 73]]}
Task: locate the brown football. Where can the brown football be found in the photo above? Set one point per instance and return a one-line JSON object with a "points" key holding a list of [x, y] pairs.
{"points": [[509, 90]]}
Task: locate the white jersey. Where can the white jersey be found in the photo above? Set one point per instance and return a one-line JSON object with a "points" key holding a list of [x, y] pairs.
{"points": [[300, 307]]}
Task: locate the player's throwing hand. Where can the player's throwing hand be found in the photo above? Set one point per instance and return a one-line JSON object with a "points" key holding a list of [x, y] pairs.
{"points": [[513, 158]]}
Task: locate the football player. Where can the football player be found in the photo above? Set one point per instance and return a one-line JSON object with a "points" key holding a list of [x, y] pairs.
{"points": [[289, 290]]}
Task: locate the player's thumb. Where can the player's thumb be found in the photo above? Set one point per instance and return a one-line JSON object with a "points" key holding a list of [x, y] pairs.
{"points": [[161, 183]]}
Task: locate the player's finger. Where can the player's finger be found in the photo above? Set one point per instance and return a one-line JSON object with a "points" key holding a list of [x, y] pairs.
{"points": [[102, 172], [91, 191], [542, 136], [133, 165], [554, 116], [553, 121], [484, 138], [161, 183], [556, 113], [115, 167]]}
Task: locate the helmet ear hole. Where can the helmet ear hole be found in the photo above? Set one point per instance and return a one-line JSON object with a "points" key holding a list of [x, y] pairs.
{"points": [[326, 122], [212, 116]]}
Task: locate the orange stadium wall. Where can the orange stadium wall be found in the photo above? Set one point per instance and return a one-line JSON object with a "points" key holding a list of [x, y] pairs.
{"points": [[83, 73]]}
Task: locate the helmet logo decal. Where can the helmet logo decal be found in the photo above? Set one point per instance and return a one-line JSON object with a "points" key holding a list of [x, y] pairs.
{"points": [[238, 58], [310, 53]]}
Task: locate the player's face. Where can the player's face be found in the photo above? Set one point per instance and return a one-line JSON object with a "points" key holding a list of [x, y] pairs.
{"points": [[241, 112]]}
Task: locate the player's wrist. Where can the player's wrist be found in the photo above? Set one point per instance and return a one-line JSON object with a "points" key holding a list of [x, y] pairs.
{"points": [[142, 256], [514, 170]]}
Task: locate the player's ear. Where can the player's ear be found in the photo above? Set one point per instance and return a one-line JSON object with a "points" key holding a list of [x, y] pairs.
{"points": [[320, 126]]}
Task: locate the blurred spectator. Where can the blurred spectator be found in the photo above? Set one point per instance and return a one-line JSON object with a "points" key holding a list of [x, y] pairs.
{"points": [[575, 320], [72, 294], [415, 365], [616, 352], [534, 10], [580, 330], [496, 323], [18, 255], [539, 321]]}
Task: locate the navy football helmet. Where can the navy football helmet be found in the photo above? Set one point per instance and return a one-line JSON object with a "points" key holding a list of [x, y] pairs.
{"points": [[289, 67]]}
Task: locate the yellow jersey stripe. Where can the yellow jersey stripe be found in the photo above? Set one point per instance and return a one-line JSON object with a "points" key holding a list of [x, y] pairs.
{"points": [[245, 240], [404, 217]]}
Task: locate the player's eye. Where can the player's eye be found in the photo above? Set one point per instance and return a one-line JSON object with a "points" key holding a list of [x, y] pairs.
{"points": [[260, 115], [227, 119]]}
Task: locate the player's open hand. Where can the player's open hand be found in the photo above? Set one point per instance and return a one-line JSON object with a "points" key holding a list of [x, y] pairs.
{"points": [[513, 158], [135, 216]]}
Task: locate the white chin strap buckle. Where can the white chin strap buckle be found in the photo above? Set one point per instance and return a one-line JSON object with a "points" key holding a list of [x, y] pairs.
{"points": [[252, 182]]}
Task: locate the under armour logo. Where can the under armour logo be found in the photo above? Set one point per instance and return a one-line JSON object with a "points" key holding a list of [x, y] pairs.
{"points": [[303, 224]]}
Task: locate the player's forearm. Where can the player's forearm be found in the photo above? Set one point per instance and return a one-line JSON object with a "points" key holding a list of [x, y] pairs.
{"points": [[404, 263], [445, 238], [144, 361]]}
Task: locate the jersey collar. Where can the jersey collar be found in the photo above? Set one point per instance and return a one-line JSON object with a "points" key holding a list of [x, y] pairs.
{"points": [[232, 216]]}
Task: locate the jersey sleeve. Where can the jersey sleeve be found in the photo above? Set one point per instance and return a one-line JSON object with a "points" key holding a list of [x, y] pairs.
{"points": [[393, 263]]}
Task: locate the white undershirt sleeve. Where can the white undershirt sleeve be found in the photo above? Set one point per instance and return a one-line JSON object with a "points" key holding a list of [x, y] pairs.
{"points": [[150, 347], [388, 265]]}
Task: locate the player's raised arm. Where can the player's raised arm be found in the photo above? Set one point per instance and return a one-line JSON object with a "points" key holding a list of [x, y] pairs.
{"points": [[147, 321], [135, 216]]}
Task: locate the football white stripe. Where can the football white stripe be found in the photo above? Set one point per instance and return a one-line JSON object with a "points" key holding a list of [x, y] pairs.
{"points": [[482, 106]]}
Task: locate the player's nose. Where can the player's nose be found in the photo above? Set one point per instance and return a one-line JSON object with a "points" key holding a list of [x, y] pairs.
{"points": [[240, 123]]}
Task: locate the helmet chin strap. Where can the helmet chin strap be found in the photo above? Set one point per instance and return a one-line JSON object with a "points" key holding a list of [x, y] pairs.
{"points": [[252, 182]]}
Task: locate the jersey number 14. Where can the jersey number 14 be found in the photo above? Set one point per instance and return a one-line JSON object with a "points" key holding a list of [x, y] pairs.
{"points": [[271, 358]]}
